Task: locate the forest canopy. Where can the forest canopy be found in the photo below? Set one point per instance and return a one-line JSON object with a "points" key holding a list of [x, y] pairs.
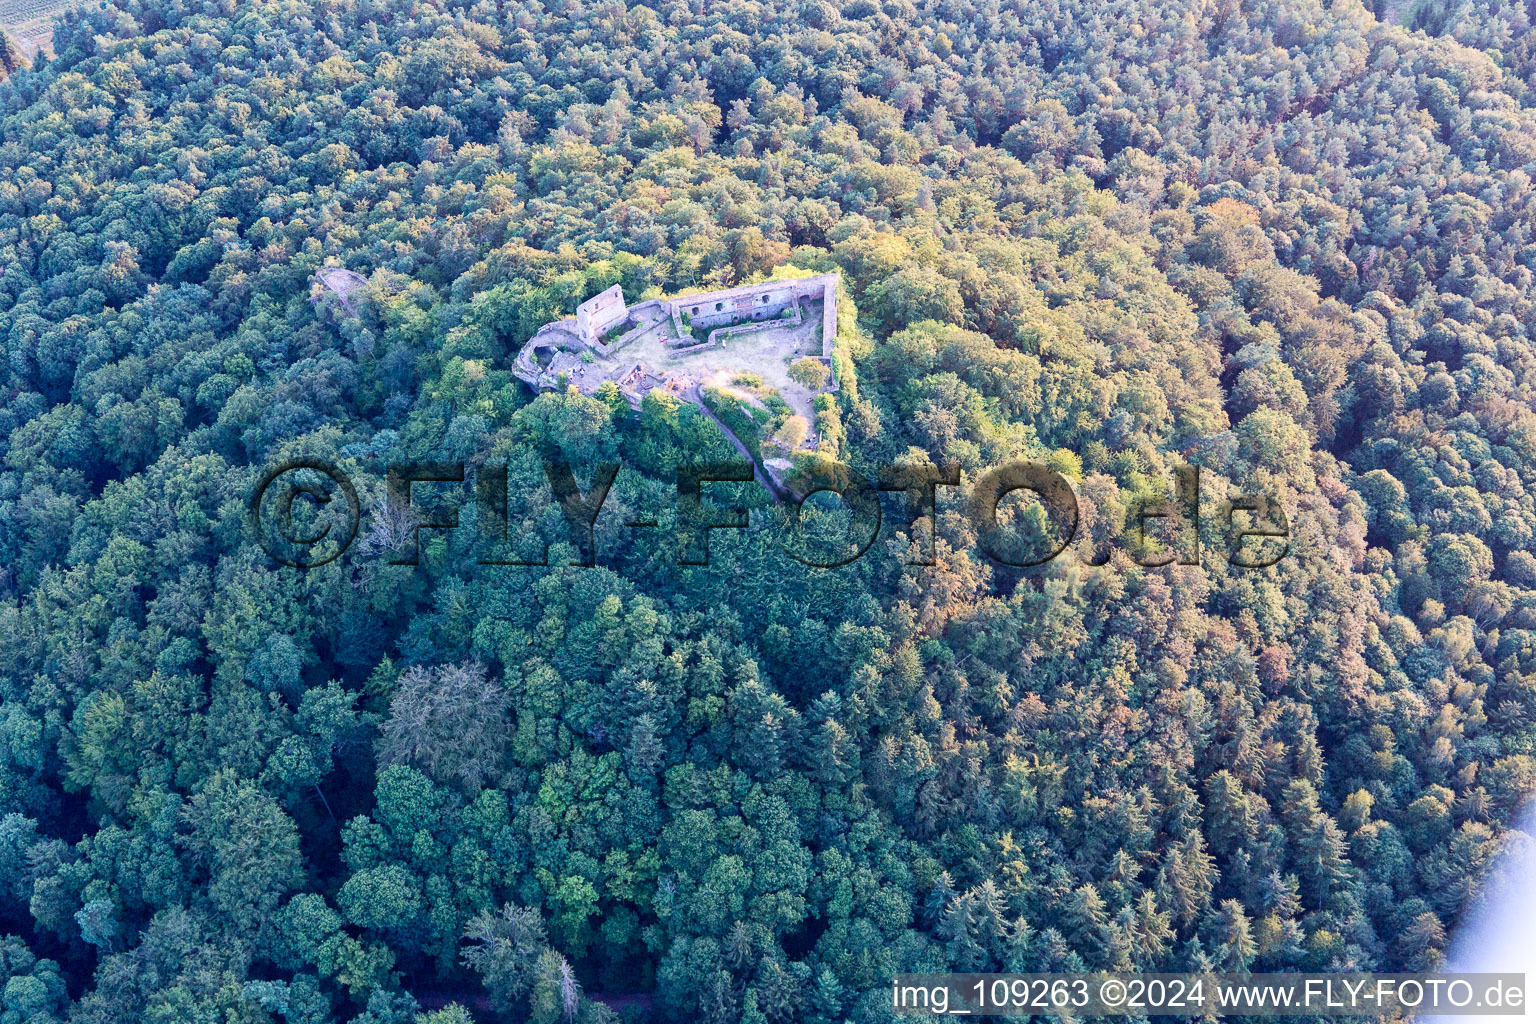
{"points": [[1291, 243]]}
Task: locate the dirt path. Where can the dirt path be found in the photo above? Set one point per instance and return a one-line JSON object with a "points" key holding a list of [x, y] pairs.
{"points": [[696, 396], [31, 24]]}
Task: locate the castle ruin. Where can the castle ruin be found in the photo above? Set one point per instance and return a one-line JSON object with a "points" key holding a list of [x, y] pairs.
{"points": [[685, 342]]}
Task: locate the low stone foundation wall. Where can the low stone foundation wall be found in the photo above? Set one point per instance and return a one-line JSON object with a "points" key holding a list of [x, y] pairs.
{"points": [[719, 334]]}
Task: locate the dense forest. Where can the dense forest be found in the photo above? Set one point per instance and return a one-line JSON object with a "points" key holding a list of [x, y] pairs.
{"points": [[1291, 243]]}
